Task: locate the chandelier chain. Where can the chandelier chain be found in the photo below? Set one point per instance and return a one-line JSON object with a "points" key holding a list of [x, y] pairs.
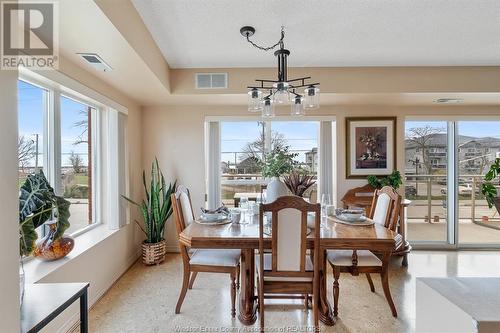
{"points": [[280, 42]]}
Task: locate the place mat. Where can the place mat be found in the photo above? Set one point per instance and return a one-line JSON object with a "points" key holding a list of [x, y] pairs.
{"points": [[366, 222], [220, 222]]}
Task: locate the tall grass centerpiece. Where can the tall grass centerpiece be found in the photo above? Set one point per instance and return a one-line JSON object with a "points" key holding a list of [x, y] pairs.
{"points": [[155, 209]]}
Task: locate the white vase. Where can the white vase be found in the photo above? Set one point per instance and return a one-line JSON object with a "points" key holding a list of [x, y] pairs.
{"points": [[275, 189]]}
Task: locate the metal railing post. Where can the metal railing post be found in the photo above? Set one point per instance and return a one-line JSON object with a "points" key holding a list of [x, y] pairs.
{"points": [[473, 199], [429, 198]]}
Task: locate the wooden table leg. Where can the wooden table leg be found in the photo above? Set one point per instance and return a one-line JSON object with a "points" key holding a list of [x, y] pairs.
{"points": [[248, 306], [325, 310], [84, 314], [384, 276]]}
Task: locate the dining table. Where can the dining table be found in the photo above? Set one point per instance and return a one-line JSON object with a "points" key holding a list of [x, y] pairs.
{"points": [[245, 236]]}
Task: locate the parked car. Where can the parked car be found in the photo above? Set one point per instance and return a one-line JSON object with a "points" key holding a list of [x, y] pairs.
{"points": [[464, 189], [410, 190]]}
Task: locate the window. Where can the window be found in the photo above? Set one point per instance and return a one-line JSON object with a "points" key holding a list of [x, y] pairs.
{"points": [[32, 106], [60, 138], [244, 144], [76, 160]]}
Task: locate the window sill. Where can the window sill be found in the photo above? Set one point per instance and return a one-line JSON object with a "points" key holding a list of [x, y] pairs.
{"points": [[36, 270]]}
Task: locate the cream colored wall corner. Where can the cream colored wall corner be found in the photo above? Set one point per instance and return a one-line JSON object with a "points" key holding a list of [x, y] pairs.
{"points": [[9, 246], [175, 134]]}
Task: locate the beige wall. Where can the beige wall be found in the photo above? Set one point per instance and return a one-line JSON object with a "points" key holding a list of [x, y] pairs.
{"points": [[175, 135], [9, 246]]}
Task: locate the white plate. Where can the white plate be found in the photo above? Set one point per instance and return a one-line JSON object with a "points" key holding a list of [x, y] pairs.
{"points": [[218, 222]]}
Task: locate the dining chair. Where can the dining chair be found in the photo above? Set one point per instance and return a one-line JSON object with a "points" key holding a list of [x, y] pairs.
{"points": [[201, 260], [288, 271], [385, 211]]}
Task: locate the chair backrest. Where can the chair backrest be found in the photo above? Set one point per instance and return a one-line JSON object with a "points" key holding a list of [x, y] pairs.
{"points": [[386, 206], [289, 235], [183, 213]]}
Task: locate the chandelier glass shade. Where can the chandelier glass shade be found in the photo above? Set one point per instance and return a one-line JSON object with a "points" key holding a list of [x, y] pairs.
{"points": [[267, 93], [268, 108], [255, 102]]}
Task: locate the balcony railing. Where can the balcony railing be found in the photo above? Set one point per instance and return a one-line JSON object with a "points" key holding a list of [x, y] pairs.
{"points": [[429, 196]]}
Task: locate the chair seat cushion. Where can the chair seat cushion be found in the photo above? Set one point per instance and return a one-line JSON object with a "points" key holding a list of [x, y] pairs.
{"points": [[215, 257], [344, 258], [268, 267]]}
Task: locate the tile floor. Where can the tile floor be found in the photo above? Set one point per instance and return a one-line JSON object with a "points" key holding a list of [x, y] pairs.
{"points": [[143, 300]]}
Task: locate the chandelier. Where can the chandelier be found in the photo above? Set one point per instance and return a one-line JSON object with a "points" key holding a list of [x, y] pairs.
{"points": [[263, 97]]}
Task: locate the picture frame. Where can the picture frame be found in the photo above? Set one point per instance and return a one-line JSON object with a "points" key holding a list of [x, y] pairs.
{"points": [[370, 146]]}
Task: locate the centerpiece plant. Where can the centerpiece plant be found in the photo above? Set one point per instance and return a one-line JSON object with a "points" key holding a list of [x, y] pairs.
{"points": [[298, 182], [488, 188], [155, 209], [276, 164]]}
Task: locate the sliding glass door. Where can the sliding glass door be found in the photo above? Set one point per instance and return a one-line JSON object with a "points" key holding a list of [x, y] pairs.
{"points": [[426, 156], [445, 166], [478, 146]]}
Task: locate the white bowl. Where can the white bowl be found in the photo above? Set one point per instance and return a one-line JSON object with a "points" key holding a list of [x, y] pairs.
{"points": [[210, 217], [352, 214]]}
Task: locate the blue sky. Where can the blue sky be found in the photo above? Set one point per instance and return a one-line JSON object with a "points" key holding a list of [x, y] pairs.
{"points": [[299, 135], [30, 121], [469, 128]]}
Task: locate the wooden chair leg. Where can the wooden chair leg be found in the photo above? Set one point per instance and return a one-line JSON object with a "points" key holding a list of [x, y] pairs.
{"points": [[370, 282], [336, 275], [233, 296], [185, 284], [193, 277], [238, 277], [261, 306], [306, 301], [384, 276], [315, 306]]}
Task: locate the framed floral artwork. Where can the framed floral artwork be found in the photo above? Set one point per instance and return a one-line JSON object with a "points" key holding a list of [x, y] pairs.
{"points": [[371, 146]]}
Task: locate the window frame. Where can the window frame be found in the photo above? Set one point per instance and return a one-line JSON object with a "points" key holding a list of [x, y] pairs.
{"points": [[453, 149], [52, 140], [209, 160]]}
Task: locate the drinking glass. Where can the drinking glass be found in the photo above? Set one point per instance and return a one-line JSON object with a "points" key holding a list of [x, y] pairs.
{"points": [[244, 209], [325, 202]]}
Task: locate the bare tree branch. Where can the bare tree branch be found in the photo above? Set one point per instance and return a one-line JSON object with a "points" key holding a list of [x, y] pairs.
{"points": [[26, 150], [421, 137]]}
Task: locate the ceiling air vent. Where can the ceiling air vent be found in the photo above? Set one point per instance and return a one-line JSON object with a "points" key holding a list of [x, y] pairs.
{"points": [[448, 101], [95, 61], [211, 80]]}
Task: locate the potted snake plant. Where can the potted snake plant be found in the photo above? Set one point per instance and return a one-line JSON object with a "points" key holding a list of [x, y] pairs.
{"points": [[155, 209]]}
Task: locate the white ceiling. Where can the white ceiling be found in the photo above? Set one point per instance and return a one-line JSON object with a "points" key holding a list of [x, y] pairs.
{"points": [[325, 33]]}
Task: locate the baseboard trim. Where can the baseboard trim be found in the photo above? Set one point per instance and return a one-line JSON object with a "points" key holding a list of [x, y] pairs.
{"points": [[74, 321], [172, 249]]}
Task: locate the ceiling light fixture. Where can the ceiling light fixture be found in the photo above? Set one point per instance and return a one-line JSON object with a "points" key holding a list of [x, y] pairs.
{"points": [[283, 90]]}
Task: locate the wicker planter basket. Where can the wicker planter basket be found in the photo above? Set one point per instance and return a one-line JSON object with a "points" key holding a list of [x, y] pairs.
{"points": [[153, 253]]}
